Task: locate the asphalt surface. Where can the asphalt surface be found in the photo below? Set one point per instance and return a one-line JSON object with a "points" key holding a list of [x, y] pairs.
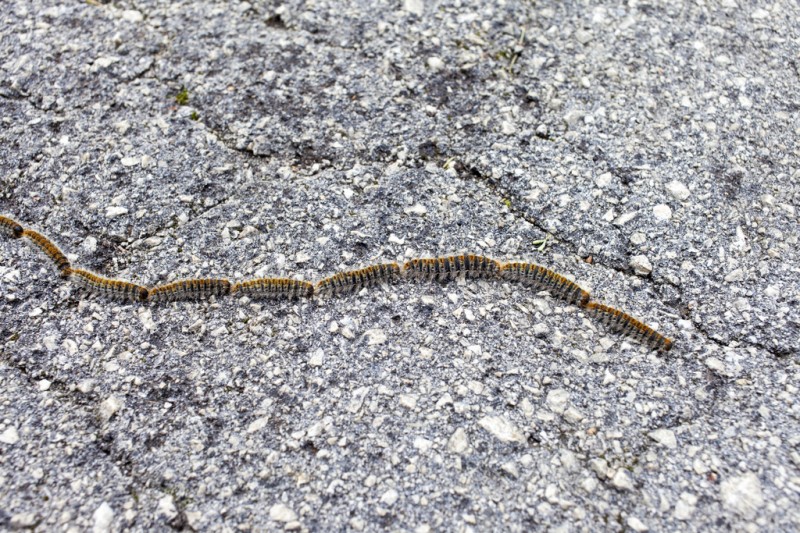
{"points": [[653, 146]]}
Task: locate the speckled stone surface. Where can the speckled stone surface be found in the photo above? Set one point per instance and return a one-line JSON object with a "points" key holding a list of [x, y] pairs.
{"points": [[653, 145]]}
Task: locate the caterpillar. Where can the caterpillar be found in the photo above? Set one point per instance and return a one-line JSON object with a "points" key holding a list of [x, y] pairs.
{"points": [[355, 280], [110, 288], [274, 288], [531, 274], [444, 268], [10, 227], [627, 325], [49, 249], [189, 289]]}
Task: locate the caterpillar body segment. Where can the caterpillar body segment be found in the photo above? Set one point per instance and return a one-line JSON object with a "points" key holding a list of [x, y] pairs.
{"points": [[10, 227], [49, 249], [190, 289], [355, 280], [110, 288], [450, 267], [627, 325], [534, 275], [274, 288]]}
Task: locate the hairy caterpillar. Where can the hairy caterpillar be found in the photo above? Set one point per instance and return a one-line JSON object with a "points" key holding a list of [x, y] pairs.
{"points": [[534, 275], [444, 268], [189, 289], [10, 227], [49, 249], [355, 280], [110, 288], [627, 325], [274, 288]]}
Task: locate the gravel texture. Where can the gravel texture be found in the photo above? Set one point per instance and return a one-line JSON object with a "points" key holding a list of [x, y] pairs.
{"points": [[654, 145]]}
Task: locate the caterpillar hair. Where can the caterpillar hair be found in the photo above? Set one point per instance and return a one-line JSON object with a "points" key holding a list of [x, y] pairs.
{"points": [[627, 325], [530, 274], [10, 227], [189, 289], [355, 280], [49, 249], [109, 288], [444, 268], [274, 288]]}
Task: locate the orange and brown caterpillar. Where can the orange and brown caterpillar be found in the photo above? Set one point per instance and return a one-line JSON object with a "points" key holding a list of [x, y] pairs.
{"points": [[355, 280], [627, 325], [274, 288], [110, 288], [189, 289], [49, 249], [444, 268], [10, 227], [531, 274]]}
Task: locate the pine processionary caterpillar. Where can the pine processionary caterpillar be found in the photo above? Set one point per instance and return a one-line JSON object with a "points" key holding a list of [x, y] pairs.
{"points": [[189, 289], [274, 288], [355, 280], [110, 288], [10, 227], [627, 325], [444, 268], [531, 274], [49, 249]]}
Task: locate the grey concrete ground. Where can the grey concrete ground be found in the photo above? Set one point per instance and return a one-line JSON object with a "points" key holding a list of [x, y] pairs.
{"points": [[656, 143]]}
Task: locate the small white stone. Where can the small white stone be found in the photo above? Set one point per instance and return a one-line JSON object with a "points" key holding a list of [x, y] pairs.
{"points": [[109, 407], [115, 211], [662, 212], [258, 424], [105, 62], [664, 437], [130, 161], [317, 358], [622, 480], [347, 333], [146, 318], [603, 180], [678, 190], [415, 7], [102, 518], [422, 444], [638, 238], [624, 218], [742, 495], [394, 239], [390, 497], [282, 513], [9, 436], [641, 265], [508, 128], [131, 15], [716, 365], [45, 385], [502, 429], [636, 524], [301, 257], [435, 63], [735, 275], [557, 400], [416, 209], [166, 507], [89, 245], [375, 336], [759, 14], [23, 521], [459, 441], [685, 507], [409, 401]]}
